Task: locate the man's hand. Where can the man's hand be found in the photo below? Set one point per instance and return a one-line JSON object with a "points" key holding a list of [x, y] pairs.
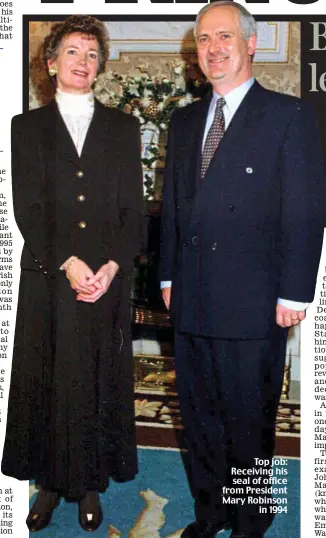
{"points": [[101, 282], [166, 294], [286, 317]]}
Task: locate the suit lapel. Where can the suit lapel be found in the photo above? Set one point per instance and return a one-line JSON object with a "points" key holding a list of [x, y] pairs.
{"points": [[95, 136], [100, 135], [202, 118], [56, 137], [58, 141], [240, 126], [192, 140]]}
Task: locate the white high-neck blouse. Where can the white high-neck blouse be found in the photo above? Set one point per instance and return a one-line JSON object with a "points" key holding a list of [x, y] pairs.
{"points": [[77, 111]]}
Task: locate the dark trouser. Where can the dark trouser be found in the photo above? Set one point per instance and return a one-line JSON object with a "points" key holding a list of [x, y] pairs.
{"points": [[229, 392]]}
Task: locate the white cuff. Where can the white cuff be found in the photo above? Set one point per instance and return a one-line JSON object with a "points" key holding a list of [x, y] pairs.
{"points": [[293, 305], [166, 284]]}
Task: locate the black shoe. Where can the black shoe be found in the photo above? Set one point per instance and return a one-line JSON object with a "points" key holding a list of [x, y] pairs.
{"points": [[246, 535], [204, 530], [41, 512], [90, 514]]}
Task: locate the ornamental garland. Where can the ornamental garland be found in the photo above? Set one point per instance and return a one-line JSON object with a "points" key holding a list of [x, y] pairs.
{"points": [[152, 99]]}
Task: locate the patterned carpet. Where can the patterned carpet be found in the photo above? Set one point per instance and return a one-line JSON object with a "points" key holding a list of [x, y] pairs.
{"points": [[157, 504]]}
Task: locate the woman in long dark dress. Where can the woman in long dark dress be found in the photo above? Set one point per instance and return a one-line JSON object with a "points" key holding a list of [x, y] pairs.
{"points": [[77, 192]]}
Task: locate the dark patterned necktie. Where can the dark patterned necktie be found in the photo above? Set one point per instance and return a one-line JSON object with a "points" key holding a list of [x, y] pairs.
{"points": [[214, 136]]}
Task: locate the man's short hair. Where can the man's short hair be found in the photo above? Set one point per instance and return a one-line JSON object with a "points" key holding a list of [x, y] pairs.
{"points": [[247, 22]]}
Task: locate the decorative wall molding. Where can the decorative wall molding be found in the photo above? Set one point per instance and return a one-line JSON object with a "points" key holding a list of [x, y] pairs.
{"points": [[172, 37]]}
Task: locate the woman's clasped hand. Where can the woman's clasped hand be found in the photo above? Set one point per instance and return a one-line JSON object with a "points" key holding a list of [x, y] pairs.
{"points": [[88, 285]]}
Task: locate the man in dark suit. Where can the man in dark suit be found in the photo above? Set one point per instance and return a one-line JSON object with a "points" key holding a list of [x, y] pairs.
{"points": [[242, 229]]}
